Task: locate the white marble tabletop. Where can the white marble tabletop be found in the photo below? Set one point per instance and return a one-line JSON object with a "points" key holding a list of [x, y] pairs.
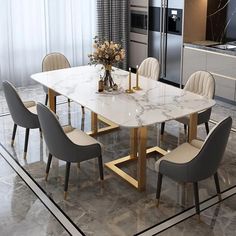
{"points": [[155, 103]]}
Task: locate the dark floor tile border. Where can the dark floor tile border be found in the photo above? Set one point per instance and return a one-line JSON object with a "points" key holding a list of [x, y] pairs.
{"points": [[186, 214], [40, 191]]}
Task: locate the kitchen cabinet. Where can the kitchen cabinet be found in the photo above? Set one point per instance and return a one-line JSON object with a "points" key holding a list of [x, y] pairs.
{"points": [[193, 60], [221, 65]]}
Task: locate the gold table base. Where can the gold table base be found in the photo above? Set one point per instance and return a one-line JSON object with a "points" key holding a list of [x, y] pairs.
{"points": [[94, 127], [113, 165]]}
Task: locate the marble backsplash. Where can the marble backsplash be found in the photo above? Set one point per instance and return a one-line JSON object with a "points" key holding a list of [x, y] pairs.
{"points": [[221, 20]]}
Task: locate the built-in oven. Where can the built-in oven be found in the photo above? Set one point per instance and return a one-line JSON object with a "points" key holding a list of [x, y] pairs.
{"points": [[138, 21]]}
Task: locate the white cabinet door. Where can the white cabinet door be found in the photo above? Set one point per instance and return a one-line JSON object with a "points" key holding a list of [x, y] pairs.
{"points": [[193, 60], [223, 68], [225, 87], [221, 64]]}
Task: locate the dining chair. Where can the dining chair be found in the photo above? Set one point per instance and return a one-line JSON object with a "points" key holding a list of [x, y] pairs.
{"points": [[68, 144], [202, 83], [150, 68], [55, 61], [24, 114], [196, 161]]}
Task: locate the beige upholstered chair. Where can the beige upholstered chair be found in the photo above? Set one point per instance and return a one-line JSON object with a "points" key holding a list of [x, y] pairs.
{"points": [[150, 68], [68, 144], [24, 114], [196, 161], [202, 83], [55, 61]]}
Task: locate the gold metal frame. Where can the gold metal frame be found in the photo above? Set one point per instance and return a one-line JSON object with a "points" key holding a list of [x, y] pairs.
{"points": [[94, 125], [138, 152], [94, 118]]}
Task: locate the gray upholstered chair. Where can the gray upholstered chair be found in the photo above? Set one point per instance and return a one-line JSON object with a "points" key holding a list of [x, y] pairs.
{"points": [[150, 68], [196, 161], [202, 83], [67, 144], [55, 61], [24, 114]]}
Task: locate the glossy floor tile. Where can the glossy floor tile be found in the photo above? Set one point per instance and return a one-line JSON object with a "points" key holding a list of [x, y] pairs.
{"points": [[21, 212], [218, 220]]}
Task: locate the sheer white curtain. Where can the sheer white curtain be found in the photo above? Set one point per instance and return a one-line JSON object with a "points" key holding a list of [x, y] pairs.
{"points": [[29, 29]]}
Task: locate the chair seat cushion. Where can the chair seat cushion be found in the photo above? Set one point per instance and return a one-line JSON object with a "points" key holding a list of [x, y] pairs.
{"points": [[31, 105], [79, 137], [182, 154]]}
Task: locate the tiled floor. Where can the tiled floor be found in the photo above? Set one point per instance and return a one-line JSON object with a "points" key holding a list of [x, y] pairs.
{"points": [[114, 208], [21, 212], [218, 220]]}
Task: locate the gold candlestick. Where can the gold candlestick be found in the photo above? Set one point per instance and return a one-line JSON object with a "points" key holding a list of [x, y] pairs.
{"points": [[130, 90], [137, 80]]}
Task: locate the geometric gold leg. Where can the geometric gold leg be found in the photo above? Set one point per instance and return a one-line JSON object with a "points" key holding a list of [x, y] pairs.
{"points": [[141, 165], [193, 119], [94, 125], [138, 151], [51, 95]]}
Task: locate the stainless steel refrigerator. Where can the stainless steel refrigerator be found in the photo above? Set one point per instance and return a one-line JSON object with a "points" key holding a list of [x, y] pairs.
{"points": [[165, 37]]}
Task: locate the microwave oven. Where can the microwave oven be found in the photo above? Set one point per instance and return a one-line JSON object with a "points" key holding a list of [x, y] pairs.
{"points": [[139, 22]]}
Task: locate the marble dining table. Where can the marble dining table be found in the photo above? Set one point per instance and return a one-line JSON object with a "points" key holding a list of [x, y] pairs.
{"points": [[155, 103]]}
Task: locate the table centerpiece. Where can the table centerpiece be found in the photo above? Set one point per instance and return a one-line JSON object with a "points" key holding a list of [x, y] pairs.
{"points": [[107, 53]]}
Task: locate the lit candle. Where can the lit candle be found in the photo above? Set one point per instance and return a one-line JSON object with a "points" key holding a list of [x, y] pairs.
{"points": [[137, 80], [130, 90]]}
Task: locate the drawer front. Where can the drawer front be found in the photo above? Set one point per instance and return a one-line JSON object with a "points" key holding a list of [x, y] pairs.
{"points": [[137, 53], [225, 87], [221, 64], [193, 60]]}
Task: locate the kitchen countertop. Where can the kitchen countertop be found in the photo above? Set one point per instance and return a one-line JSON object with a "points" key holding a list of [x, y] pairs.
{"points": [[204, 46]]}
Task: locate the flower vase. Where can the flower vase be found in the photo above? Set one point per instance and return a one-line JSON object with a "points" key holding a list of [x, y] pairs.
{"points": [[107, 79]]}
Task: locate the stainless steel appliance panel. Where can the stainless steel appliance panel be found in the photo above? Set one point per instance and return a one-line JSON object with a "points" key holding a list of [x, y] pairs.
{"points": [[139, 21], [154, 44], [154, 35], [173, 58]]}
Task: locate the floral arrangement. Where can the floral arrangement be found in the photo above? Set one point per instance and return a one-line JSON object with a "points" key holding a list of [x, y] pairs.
{"points": [[106, 53]]}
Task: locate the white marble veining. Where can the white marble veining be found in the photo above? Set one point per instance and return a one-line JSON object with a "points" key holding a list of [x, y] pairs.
{"points": [[155, 103]]}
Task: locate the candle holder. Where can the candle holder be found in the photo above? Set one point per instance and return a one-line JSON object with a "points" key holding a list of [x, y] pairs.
{"points": [[130, 90], [137, 80]]}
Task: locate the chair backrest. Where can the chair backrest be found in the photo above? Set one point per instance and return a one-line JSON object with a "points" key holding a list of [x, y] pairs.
{"points": [[54, 136], [59, 145], [20, 114], [55, 61], [150, 68], [206, 163], [202, 83]]}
